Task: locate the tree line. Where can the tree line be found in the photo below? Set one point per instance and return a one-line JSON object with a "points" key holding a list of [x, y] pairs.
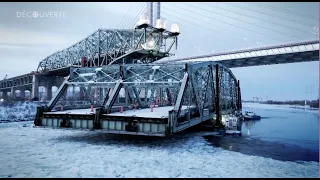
{"points": [[312, 103]]}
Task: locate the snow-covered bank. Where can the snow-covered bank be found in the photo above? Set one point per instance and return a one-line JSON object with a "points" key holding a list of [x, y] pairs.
{"points": [[279, 107], [39, 152], [20, 111]]}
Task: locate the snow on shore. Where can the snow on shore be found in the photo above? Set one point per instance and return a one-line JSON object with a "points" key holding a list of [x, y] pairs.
{"points": [[20, 111], [44, 152], [279, 107]]}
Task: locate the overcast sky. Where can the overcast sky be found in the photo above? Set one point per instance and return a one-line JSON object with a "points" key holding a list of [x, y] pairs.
{"points": [[205, 28]]}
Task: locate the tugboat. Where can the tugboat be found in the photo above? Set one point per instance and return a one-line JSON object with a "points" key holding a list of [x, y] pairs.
{"points": [[249, 115]]}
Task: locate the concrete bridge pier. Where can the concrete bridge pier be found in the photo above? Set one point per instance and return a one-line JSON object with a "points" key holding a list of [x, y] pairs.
{"points": [[47, 82], [13, 93], [35, 87], [48, 90], [52, 81], [48, 93], [4, 95], [23, 93], [28, 88]]}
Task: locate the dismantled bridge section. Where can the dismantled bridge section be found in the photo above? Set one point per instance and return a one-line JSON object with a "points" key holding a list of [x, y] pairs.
{"points": [[143, 99], [113, 46]]}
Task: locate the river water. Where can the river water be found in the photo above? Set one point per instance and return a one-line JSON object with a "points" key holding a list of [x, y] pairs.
{"points": [[283, 133]]}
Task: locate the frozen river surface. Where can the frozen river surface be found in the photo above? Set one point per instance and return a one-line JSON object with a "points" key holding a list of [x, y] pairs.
{"points": [[42, 152]]}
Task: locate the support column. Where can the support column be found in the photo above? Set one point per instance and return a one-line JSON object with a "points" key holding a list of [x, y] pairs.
{"points": [[48, 92], [57, 81], [48, 87], [5, 95], [29, 88], [13, 94], [35, 87], [22, 93]]}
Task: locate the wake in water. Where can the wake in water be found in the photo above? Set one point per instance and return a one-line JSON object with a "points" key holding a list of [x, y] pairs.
{"points": [[18, 111]]}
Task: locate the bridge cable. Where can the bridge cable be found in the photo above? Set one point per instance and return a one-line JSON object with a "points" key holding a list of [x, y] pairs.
{"points": [[265, 20], [215, 31], [196, 25], [268, 14], [133, 6], [284, 10], [134, 20], [283, 33], [135, 16], [264, 35], [132, 12]]}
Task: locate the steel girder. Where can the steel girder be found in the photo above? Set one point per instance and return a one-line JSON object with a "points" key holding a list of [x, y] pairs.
{"points": [[112, 46], [22, 80]]}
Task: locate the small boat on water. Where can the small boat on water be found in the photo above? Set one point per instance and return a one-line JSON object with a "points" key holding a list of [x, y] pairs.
{"points": [[249, 115]]}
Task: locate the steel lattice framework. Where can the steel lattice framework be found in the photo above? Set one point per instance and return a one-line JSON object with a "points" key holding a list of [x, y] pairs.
{"points": [[112, 46], [147, 80], [206, 90]]}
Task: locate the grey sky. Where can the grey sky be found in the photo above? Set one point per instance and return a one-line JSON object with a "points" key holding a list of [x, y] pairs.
{"points": [[205, 27]]}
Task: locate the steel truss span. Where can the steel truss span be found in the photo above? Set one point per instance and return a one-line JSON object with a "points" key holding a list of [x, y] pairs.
{"points": [[112, 46], [143, 99]]}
